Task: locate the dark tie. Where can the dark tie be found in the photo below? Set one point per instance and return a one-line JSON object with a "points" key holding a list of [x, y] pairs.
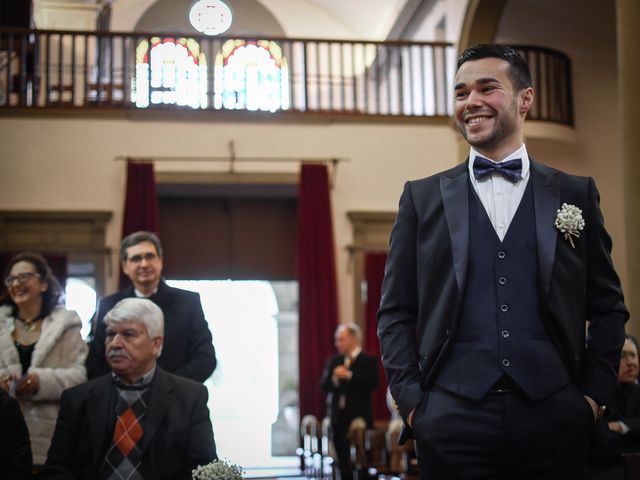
{"points": [[511, 169]]}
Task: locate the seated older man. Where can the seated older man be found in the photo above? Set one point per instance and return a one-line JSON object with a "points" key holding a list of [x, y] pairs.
{"points": [[137, 422], [621, 432]]}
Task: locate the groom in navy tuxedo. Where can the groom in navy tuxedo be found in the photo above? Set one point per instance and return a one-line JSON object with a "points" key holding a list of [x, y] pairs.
{"points": [[495, 269]]}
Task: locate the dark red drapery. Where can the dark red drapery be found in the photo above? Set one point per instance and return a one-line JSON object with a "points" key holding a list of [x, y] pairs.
{"points": [[318, 305], [374, 273], [141, 202]]}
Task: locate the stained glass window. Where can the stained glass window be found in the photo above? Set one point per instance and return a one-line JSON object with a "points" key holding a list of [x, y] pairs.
{"points": [[178, 73], [251, 76]]}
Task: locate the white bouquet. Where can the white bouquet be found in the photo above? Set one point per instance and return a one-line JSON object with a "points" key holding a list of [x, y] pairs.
{"points": [[218, 470], [570, 222]]}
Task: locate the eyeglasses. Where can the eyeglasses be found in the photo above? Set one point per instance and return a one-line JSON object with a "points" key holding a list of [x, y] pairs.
{"points": [[149, 257], [22, 278]]}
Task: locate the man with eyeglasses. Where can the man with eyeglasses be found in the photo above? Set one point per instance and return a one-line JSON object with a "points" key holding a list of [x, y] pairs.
{"points": [[621, 431], [138, 421], [188, 348]]}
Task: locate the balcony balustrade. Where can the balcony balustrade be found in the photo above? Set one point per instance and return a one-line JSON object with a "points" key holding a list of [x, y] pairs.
{"points": [[73, 70]]}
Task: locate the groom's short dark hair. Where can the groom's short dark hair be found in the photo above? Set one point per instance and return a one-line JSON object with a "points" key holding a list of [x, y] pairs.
{"points": [[519, 73]]}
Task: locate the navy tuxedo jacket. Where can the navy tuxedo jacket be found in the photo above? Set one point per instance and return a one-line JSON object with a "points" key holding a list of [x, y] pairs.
{"points": [[177, 430], [188, 349], [425, 280]]}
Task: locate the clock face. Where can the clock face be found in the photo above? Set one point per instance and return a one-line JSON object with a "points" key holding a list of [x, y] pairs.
{"points": [[211, 17]]}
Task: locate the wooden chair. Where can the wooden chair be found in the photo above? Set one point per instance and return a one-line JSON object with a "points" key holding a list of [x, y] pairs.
{"points": [[308, 452], [357, 453], [375, 446], [402, 458], [327, 451]]}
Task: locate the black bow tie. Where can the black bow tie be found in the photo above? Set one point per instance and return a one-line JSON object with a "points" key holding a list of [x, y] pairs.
{"points": [[511, 169]]}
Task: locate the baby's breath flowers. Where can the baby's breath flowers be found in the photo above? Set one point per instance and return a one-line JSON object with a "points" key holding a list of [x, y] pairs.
{"points": [[218, 470], [570, 222]]}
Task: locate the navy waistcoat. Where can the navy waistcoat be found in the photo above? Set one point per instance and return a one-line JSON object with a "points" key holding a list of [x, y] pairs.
{"points": [[501, 329]]}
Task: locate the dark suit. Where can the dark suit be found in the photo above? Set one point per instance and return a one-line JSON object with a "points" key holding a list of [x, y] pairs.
{"points": [[355, 396], [427, 273], [177, 429], [605, 460], [188, 349], [15, 448], [626, 409]]}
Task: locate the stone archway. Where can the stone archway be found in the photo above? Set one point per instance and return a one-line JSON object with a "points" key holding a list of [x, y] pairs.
{"points": [[480, 22]]}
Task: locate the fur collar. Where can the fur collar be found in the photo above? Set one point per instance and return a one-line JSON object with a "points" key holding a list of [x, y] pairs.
{"points": [[53, 327]]}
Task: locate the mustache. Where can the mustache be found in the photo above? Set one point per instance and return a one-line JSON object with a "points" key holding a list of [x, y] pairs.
{"points": [[118, 352]]}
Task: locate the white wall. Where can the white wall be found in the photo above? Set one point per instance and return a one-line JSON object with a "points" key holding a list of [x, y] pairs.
{"points": [[68, 164], [589, 39]]}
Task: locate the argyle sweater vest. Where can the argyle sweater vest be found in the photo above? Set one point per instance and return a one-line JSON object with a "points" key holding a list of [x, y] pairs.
{"points": [[123, 457]]}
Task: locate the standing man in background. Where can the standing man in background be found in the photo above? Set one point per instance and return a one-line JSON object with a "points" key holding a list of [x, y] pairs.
{"points": [[493, 270], [188, 348], [349, 378]]}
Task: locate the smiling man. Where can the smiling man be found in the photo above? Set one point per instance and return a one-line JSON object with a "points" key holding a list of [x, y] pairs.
{"points": [[137, 421], [188, 350], [485, 300]]}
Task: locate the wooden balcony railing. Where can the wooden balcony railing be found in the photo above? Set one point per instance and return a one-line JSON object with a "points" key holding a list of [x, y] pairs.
{"points": [[551, 75], [73, 70]]}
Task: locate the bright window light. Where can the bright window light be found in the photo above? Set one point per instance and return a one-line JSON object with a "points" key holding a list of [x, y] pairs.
{"points": [[81, 297], [243, 391]]}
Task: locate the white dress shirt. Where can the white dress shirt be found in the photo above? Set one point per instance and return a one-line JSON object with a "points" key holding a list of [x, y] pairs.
{"points": [[139, 294], [498, 195]]}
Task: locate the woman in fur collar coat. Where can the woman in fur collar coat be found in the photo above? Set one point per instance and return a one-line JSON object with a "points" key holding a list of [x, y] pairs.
{"points": [[41, 350]]}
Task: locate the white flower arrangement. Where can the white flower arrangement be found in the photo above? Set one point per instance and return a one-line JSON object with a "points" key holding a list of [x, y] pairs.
{"points": [[218, 470], [570, 222]]}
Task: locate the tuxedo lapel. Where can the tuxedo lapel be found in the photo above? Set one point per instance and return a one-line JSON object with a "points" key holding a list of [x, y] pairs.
{"points": [[99, 410], [160, 397], [546, 194], [454, 188]]}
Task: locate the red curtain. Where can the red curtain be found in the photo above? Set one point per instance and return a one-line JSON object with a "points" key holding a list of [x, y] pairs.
{"points": [[141, 202], [318, 305], [374, 273]]}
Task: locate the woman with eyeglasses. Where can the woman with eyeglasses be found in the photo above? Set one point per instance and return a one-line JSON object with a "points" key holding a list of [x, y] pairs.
{"points": [[41, 350]]}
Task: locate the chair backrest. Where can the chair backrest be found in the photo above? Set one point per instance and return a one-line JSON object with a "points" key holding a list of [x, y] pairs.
{"points": [[356, 447], [325, 439], [402, 458], [375, 446], [309, 433], [397, 454]]}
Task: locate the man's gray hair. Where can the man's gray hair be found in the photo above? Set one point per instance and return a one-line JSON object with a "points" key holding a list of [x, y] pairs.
{"points": [[138, 310], [353, 329]]}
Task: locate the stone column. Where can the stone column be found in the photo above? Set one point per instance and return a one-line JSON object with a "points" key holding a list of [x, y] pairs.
{"points": [[628, 16]]}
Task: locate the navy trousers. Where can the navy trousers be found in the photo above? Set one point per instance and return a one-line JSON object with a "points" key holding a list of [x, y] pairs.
{"points": [[503, 436]]}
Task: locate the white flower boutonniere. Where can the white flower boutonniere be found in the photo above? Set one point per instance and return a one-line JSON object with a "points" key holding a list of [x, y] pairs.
{"points": [[570, 222], [218, 470]]}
